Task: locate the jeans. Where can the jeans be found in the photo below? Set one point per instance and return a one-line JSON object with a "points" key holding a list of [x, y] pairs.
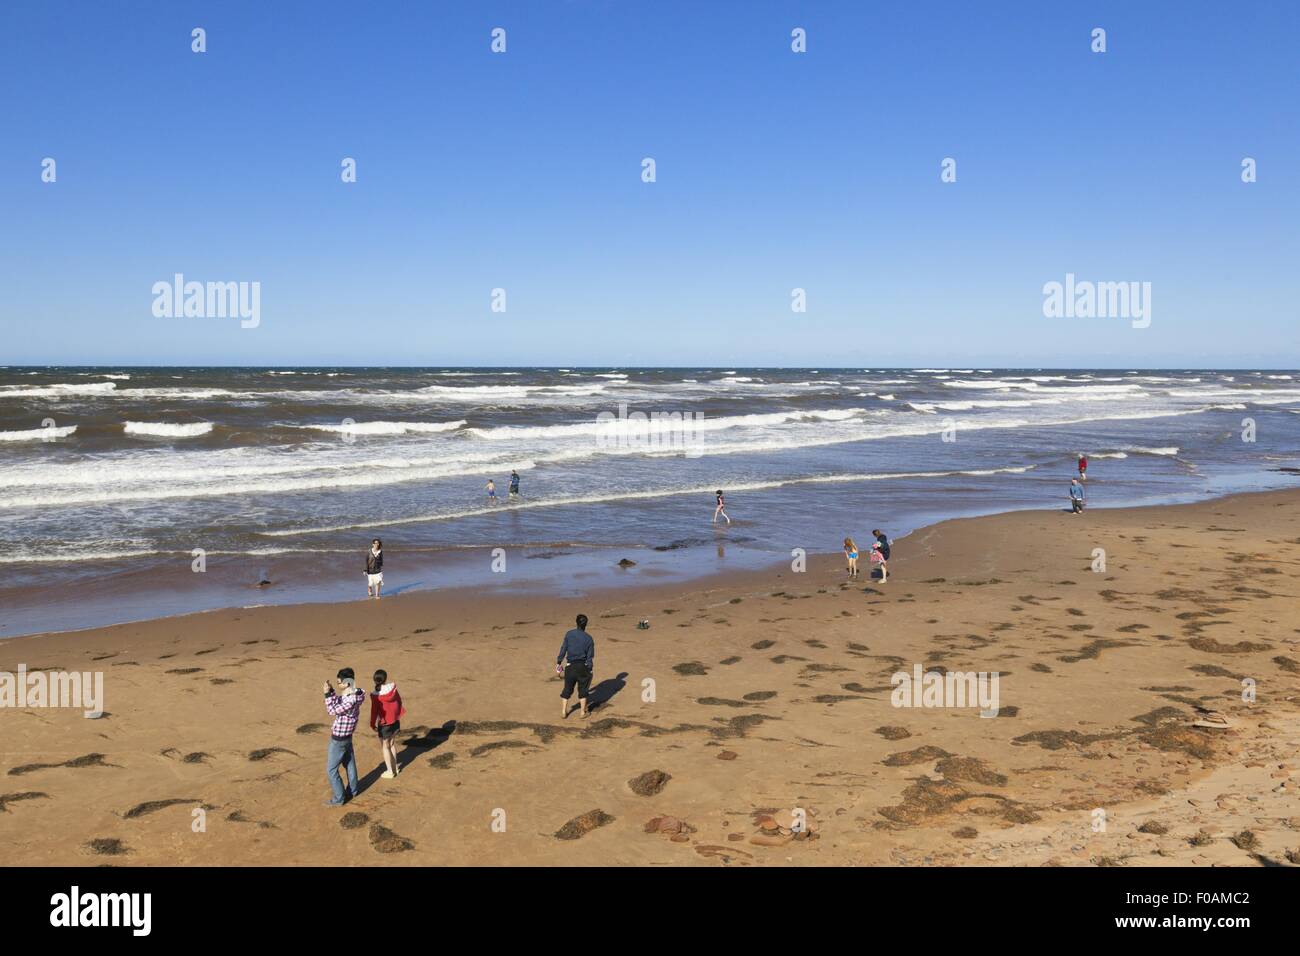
{"points": [[340, 752]]}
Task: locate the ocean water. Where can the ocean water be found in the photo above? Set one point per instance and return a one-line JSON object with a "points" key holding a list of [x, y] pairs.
{"points": [[111, 478]]}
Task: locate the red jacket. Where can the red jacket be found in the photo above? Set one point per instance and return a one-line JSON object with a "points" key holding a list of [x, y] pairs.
{"points": [[386, 708]]}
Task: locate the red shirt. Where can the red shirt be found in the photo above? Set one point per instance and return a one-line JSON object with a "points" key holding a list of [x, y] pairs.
{"points": [[386, 708]]}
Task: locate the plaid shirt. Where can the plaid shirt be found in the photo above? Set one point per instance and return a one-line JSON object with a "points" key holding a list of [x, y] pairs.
{"points": [[344, 710]]}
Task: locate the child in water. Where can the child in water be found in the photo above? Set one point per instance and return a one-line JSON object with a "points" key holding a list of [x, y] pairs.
{"points": [[721, 509]]}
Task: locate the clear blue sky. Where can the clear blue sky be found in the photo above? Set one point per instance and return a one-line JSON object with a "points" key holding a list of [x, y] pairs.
{"points": [[775, 170]]}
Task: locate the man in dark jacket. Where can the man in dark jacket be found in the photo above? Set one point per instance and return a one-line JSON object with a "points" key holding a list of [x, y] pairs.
{"points": [[580, 650]]}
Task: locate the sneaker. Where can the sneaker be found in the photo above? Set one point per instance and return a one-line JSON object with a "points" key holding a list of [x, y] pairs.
{"points": [[388, 775]]}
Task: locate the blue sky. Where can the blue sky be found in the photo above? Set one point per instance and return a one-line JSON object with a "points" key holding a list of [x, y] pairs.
{"points": [[775, 170]]}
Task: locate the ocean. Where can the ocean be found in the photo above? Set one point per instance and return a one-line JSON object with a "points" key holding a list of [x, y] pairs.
{"points": [[129, 493]]}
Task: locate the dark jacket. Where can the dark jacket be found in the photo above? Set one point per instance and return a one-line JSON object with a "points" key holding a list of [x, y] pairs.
{"points": [[579, 648], [374, 562]]}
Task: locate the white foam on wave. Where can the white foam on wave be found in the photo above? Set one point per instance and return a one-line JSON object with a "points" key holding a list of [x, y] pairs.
{"points": [[59, 390], [474, 393], [387, 428], [168, 429], [628, 427], [38, 434]]}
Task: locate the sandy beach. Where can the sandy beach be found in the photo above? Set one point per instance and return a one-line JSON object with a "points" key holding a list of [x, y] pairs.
{"points": [[750, 698]]}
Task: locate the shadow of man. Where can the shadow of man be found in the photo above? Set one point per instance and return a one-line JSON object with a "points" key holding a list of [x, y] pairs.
{"points": [[604, 692]]}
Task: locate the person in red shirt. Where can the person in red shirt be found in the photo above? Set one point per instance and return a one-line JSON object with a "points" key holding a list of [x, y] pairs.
{"points": [[386, 712], [1083, 466]]}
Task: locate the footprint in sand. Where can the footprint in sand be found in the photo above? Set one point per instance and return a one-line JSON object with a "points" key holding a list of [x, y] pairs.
{"points": [[8, 798], [581, 825], [107, 846], [270, 752], [153, 806], [87, 760]]}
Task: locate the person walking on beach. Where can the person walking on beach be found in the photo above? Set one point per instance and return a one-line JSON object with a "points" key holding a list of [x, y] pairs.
{"points": [[1077, 499], [580, 652], [492, 492], [1083, 467], [721, 509], [344, 706], [514, 484], [851, 555], [375, 569], [882, 542], [878, 557], [386, 711]]}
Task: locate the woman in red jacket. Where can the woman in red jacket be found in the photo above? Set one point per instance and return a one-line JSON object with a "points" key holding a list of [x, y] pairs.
{"points": [[386, 712]]}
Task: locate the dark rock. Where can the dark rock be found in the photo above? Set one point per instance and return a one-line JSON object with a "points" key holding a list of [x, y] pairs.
{"points": [[649, 783]]}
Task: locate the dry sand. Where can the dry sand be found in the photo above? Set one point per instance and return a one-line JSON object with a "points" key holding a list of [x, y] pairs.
{"points": [[771, 692]]}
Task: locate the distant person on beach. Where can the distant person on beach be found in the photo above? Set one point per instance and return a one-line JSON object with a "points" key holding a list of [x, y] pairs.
{"points": [[851, 555], [492, 492], [375, 569], [1077, 499], [882, 542], [580, 652], [386, 712], [721, 509], [1083, 467], [514, 484], [882, 539], [344, 706], [878, 558]]}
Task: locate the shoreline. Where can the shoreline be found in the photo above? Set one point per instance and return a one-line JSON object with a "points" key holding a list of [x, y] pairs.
{"points": [[768, 691], [299, 583]]}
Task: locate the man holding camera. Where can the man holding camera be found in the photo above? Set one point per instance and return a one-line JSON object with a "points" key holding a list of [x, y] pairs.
{"points": [[344, 705]]}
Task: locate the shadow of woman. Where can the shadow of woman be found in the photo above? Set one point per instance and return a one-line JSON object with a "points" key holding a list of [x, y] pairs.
{"points": [[418, 740]]}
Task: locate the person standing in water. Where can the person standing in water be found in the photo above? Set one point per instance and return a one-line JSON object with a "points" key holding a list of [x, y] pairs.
{"points": [[492, 492], [1077, 499], [721, 509], [386, 712], [514, 484], [1083, 467], [375, 569], [580, 651]]}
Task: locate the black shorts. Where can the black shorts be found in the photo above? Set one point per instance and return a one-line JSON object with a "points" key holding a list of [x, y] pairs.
{"points": [[389, 730], [576, 674]]}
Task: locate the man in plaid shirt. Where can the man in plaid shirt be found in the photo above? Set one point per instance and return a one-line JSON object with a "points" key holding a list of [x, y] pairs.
{"points": [[344, 707]]}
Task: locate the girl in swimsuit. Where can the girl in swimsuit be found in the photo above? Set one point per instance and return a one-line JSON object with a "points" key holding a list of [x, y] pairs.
{"points": [[721, 509], [851, 553]]}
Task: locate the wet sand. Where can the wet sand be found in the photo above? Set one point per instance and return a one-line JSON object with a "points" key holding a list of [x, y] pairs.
{"points": [[771, 693]]}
